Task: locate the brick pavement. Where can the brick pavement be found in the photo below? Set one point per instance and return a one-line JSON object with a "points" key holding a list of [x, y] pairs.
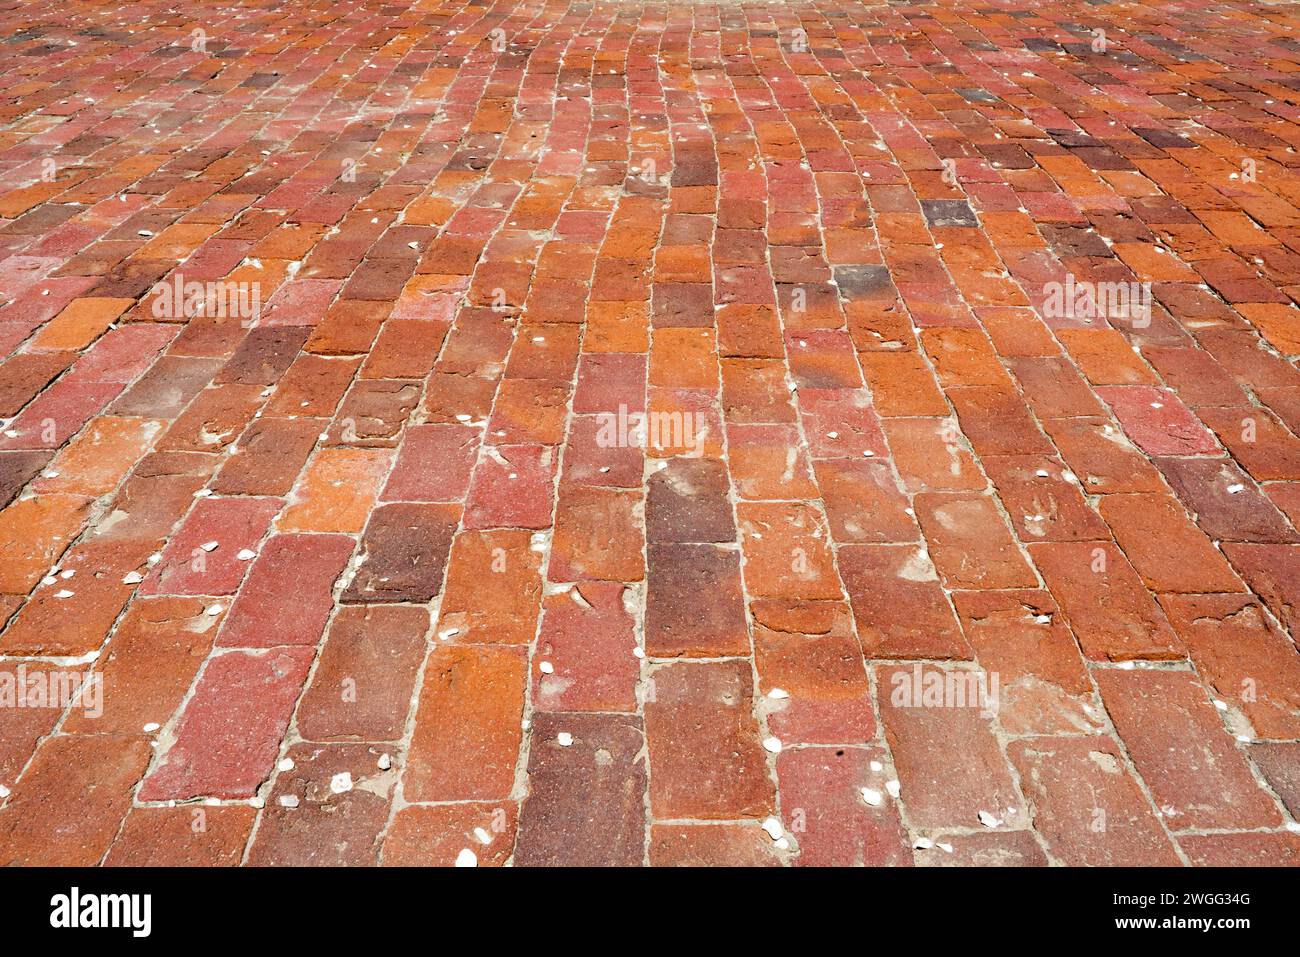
{"points": [[545, 432]]}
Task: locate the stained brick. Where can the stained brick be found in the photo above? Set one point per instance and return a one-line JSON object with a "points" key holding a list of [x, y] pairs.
{"points": [[1197, 776], [705, 758]]}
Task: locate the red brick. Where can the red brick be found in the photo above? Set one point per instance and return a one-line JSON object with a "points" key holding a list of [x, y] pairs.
{"points": [[227, 738], [969, 542], [1087, 805], [1021, 637], [864, 503], [1226, 504], [493, 589], [1250, 849], [687, 501], [808, 649], [900, 608], [268, 457], [72, 616], [433, 464], [235, 524], [1197, 776], [587, 638], [150, 664], [930, 454], [1110, 611], [823, 807], [1042, 503], [1273, 573], [289, 593], [766, 462], [1102, 458], [946, 753], [512, 487], [1257, 440], [1168, 551], [1157, 421], [841, 423], [1280, 765], [787, 554], [597, 535], [403, 553], [1246, 660], [337, 491]]}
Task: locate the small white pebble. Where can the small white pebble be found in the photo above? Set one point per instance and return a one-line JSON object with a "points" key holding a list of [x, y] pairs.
{"points": [[946, 848], [132, 578], [773, 828], [923, 844], [466, 858], [246, 554], [286, 764], [987, 819], [213, 610], [385, 761], [772, 745], [341, 783], [564, 739], [209, 546], [778, 693], [873, 797], [151, 727], [64, 593], [893, 788], [288, 800], [546, 668]]}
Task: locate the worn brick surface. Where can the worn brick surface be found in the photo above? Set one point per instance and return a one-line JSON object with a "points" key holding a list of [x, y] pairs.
{"points": [[573, 434]]}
